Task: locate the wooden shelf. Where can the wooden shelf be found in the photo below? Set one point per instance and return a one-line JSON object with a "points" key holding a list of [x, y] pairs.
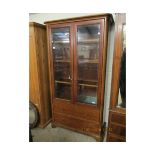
{"points": [[87, 80], [88, 61], [80, 41], [68, 61], [81, 84], [61, 42], [89, 41], [88, 85], [62, 99], [64, 82]]}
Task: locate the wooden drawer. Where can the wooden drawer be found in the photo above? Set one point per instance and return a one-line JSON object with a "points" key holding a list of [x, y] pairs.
{"points": [[79, 111], [117, 127], [77, 124], [118, 130], [118, 118], [115, 138]]}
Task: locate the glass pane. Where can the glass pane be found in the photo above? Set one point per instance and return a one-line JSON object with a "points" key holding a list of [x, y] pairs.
{"points": [[61, 56], [88, 37], [122, 79], [62, 90]]}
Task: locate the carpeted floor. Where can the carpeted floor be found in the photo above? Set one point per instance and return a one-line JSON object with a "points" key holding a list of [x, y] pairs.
{"points": [[58, 134]]}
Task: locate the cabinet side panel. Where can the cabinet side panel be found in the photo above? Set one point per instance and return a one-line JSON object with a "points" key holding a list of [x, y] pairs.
{"points": [[117, 114], [33, 74], [41, 48]]}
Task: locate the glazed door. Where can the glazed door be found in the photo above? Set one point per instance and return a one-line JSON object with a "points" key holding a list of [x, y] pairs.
{"points": [[61, 42], [87, 58]]}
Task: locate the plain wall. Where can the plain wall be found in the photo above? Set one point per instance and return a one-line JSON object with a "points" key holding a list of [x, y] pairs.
{"points": [[42, 17]]}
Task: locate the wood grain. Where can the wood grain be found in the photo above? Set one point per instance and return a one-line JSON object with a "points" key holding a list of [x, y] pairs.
{"points": [[39, 82], [71, 114], [117, 116]]}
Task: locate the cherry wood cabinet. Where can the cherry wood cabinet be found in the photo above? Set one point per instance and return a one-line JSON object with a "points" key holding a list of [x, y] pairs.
{"points": [[77, 50], [39, 93], [117, 110]]}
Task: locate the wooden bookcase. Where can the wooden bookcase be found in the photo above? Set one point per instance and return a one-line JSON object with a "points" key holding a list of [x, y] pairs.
{"points": [[77, 50], [39, 93]]}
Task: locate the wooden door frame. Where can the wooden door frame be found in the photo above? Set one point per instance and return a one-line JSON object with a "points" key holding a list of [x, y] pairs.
{"points": [[101, 53], [50, 56]]}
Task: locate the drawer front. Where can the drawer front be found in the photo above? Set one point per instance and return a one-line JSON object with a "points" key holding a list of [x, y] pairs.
{"points": [[118, 118], [117, 127], [79, 111], [118, 130], [113, 138], [77, 124]]}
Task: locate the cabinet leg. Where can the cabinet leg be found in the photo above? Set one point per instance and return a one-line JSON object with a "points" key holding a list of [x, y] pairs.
{"points": [[53, 125], [99, 139]]}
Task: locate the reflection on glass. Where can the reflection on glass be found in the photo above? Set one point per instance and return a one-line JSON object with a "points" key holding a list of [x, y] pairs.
{"points": [[61, 56], [88, 37], [122, 79], [87, 92]]}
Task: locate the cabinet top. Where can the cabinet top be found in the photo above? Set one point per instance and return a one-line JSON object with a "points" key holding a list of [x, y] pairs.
{"points": [[36, 24], [92, 17]]}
